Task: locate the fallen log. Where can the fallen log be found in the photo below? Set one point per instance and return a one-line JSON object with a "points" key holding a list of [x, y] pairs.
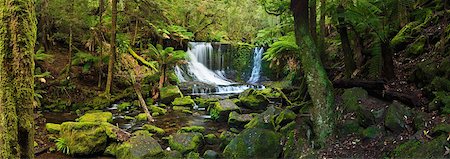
{"points": [[143, 104], [367, 85], [408, 99]]}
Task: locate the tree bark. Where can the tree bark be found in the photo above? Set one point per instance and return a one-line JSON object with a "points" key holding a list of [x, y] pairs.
{"points": [[319, 86], [313, 19], [348, 55], [44, 24], [143, 104], [17, 41], [388, 61], [112, 57], [322, 30], [100, 26]]}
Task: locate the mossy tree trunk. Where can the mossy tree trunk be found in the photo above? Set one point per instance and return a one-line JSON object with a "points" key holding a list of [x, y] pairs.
{"points": [[112, 57], [348, 54], [101, 8], [17, 41], [319, 86]]}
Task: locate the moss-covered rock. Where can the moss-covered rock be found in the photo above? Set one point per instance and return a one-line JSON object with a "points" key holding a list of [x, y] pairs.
{"points": [[185, 142], [169, 93], [351, 98], [143, 145], [349, 127], [141, 117], [441, 102], [285, 117], [199, 129], [205, 102], [156, 109], [226, 137], [371, 132], [96, 117], [239, 120], [211, 139], [184, 101], [415, 149], [265, 120], [293, 148], [254, 143], [440, 129], [172, 154], [395, 117], [221, 110], [180, 108], [53, 128], [255, 101], [87, 138], [417, 47], [210, 154], [124, 106], [193, 155], [153, 129]]}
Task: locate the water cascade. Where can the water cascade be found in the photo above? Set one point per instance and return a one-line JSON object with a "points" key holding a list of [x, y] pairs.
{"points": [[208, 67], [256, 71]]}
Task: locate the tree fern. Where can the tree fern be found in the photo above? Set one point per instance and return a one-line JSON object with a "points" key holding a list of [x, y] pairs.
{"points": [[282, 51], [375, 63]]}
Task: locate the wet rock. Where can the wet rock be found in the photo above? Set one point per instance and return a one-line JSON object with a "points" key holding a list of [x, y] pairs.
{"points": [[185, 142], [156, 109], [254, 143], [255, 101], [226, 137], [416, 149], [371, 132], [210, 154], [141, 117], [395, 117], [180, 108], [96, 117], [199, 129], [205, 102], [193, 155], [169, 93], [143, 145], [86, 138], [352, 97], [124, 106], [221, 110], [153, 129], [265, 120], [239, 120], [53, 128], [211, 139], [172, 154], [184, 101]]}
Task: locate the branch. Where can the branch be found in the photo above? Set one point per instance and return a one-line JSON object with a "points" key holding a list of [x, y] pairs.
{"points": [[142, 60]]}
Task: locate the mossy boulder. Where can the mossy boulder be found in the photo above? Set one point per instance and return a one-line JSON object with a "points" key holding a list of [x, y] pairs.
{"points": [[169, 93], [124, 106], [87, 138], [222, 109], [180, 108], [254, 143], [211, 139], [440, 129], [53, 128], [395, 117], [239, 120], [265, 120], [349, 127], [193, 155], [153, 129], [255, 101], [226, 137], [416, 149], [184, 102], [293, 148], [371, 132], [172, 155], [141, 117], [205, 102], [210, 154], [441, 102], [143, 145], [96, 117], [199, 129], [417, 47], [156, 109], [351, 98], [185, 142]]}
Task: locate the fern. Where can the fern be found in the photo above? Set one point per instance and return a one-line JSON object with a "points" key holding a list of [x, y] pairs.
{"points": [[86, 60], [61, 145], [375, 63], [282, 51], [41, 56]]}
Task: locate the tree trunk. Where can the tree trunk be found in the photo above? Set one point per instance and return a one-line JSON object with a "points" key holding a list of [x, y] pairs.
{"points": [[162, 77], [313, 20], [17, 41], [348, 55], [388, 62], [319, 86], [112, 57], [322, 30], [142, 101], [100, 26], [44, 25]]}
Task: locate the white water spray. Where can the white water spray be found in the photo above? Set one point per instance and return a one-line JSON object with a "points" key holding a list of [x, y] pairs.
{"points": [[256, 71]]}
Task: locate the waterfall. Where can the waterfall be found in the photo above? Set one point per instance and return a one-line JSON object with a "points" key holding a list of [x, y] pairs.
{"points": [[179, 74], [256, 71]]}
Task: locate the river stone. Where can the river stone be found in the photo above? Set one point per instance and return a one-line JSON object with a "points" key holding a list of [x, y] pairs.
{"points": [[254, 143], [265, 120], [184, 102], [221, 109], [239, 120], [210, 154], [87, 138], [185, 142], [53, 128], [351, 98], [395, 117], [199, 129], [96, 117], [143, 145], [169, 93], [153, 129]]}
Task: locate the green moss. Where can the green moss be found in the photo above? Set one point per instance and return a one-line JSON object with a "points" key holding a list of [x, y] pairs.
{"points": [[141, 117], [239, 120], [172, 155], [211, 139], [440, 129], [199, 129], [226, 137], [180, 108], [124, 106], [265, 120], [371, 132], [160, 111], [96, 117], [184, 101], [394, 119], [205, 102], [254, 143], [169, 93], [193, 155], [351, 98], [221, 109], [187, 111], [415, 149], [440, 102], [349, 127], [53, 128], [185, 142], [293, 148], [285, 116], [210, 154], [140, 146], [153, 129], [417, 47], [255, 102]]}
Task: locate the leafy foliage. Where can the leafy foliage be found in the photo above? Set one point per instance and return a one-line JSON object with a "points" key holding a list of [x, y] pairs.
{"points": [[87, 60], [283, 50], [61, 145]]}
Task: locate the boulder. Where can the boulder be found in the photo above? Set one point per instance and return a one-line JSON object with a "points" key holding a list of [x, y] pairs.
{"points": [[254, 143], [193, 155], [239, 120], [172, 154], [435, 148], [210, 154], [351, 98], [185, 142], [180, 108], [96, 117], [143, 145], [169, 93], [159, 110], [141, 117], [87, 138], [199, 129], [211, 139], [265, 120], [254, 101], [395, 117], [53, 128], [222, 109], [153, 129], [205, 102], [226, 137], [184, 102]]}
